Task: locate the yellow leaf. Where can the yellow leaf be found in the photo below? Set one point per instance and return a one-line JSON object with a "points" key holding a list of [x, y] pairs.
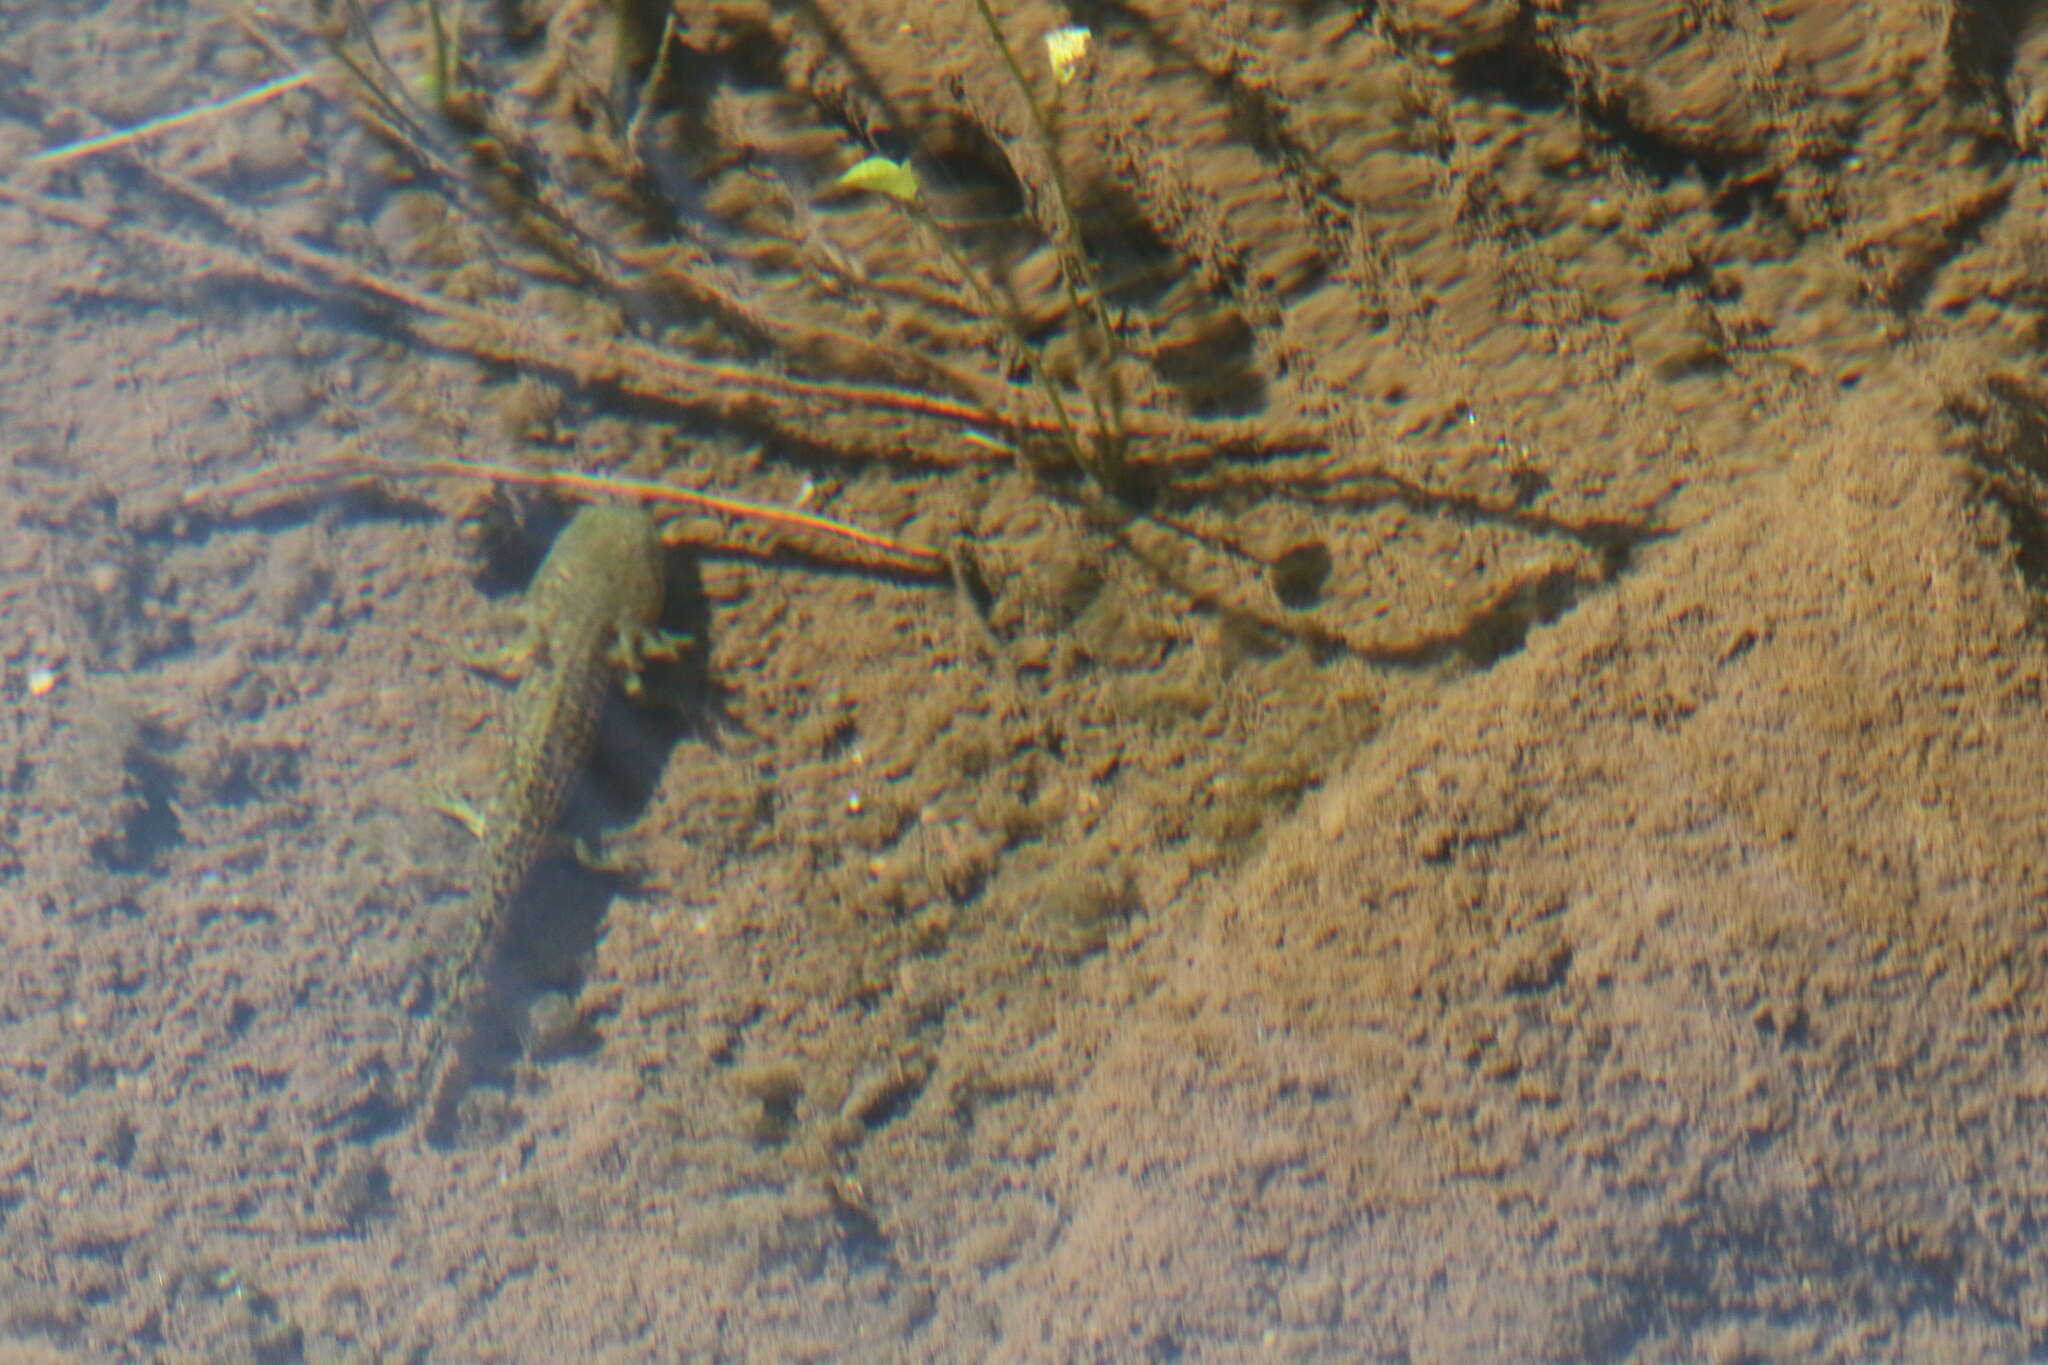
{"points": [[1065, 50], [880, 174]]}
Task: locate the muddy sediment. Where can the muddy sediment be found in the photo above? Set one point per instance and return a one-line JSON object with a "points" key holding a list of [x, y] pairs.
{"points": [[1484, 806]]}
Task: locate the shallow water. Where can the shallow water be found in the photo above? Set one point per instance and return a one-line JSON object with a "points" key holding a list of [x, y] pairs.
{"points": [[1497, 825]]}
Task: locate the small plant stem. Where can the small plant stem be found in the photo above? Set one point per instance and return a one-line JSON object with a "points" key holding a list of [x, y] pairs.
{"points": [[1083, 293], [444, 55], [939, 237], [656, 74]]}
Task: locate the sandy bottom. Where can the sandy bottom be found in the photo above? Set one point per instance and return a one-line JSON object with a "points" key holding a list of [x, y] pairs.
{"points": [[1505, 821]]}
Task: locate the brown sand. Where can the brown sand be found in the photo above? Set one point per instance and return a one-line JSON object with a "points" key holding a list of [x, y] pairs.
{"points": [[1611, 930]]}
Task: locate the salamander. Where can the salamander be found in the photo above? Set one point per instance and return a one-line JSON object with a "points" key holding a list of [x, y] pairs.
{"points": [[591, 615]]}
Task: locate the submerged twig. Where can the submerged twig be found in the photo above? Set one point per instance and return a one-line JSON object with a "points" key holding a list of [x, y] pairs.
{"points": [[670, 378], [347, 462], [121, 137]]}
